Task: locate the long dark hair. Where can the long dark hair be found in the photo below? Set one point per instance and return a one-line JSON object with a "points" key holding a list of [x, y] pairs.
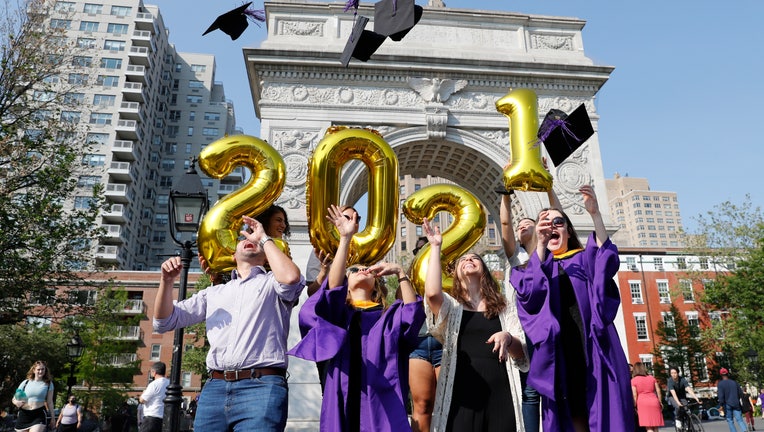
{"points": [[265, 217], [489, 289], [573, 241]]}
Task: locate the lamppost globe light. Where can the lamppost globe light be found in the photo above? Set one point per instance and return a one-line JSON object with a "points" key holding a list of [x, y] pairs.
{"points": [[187, 205]]}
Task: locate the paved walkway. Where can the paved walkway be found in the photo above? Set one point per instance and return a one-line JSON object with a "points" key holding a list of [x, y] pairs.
{"points": [[715, 426]]}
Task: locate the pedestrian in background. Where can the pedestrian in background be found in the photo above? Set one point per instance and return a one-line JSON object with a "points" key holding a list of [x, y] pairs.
{"points": [[729, 394], [153, 399], [647, 398]]}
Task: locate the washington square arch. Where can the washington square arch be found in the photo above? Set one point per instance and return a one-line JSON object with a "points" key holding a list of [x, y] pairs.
{"points": [[431, 96]]}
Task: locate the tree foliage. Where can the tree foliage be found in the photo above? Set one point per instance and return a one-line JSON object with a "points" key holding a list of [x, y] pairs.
{"points": [[43, 237], [195, 358], [21, 346], [733, 236], [677, 345]]}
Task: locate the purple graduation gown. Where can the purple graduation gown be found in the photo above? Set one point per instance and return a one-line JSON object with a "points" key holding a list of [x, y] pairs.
{"points": [[608, 381], [387, 339]]}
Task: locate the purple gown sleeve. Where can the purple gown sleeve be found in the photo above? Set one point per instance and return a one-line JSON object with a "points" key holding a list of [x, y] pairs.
{"points": [[601, 265], [396, 333], [323, 324], [535, 310]]}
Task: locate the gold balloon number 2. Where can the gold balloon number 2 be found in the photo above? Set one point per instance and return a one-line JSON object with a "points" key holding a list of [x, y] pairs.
{"points": [[466, 229], [220, 228], [526, 172], [339, 146]]}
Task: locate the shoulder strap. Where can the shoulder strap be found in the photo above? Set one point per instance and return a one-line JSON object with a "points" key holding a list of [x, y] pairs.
{"points": [[24, 385]]}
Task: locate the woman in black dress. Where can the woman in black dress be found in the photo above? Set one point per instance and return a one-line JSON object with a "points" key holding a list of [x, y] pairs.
{"points": [[483, 346]]}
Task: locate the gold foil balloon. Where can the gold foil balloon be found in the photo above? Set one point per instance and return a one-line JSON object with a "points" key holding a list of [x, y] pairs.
{"points": [[466, 229], [220, 228], [526, 172], [340, 145]]}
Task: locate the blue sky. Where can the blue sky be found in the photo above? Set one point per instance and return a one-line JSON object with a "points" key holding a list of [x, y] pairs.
{"points": [[681, 108]]}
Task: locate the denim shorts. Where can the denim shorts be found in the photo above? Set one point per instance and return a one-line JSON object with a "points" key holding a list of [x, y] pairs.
{"points": [[429, 350]]}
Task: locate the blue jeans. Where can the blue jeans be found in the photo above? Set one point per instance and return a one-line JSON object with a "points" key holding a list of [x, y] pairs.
{"points": [[729, 413], [531, 399], [255, 404]]}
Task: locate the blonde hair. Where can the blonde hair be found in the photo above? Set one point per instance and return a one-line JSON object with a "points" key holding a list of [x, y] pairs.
{"points": [[47, 377]]}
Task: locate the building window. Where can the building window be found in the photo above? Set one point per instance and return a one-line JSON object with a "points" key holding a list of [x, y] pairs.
{"points": [[88, 181], [168, 164], [704, 263], [94, 160], [636, 292], [111, 63], [193, 99], [108, 80], [641, 322], [156, 351], [185, 380], [122, 11], [82, 61], [64, 6], [700, 363], [92, 8], [663, 291], [165, 181], [188, 148], [190, 131], [104, 100], [688, 295], [83, 202], [210, 132], [114, 45], [196, 68], [647, 360], [60, 23], [211, 116], [693, 324], [94, 138], [115, 28], [100, 118], [195, 84], [658, 262], [89, 26], [668, 325], [161, 219], [70, 116], [681, 263]]}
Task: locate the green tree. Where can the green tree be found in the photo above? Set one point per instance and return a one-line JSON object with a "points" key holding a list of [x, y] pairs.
{"points": [[106, 366], [44, 238], [732, 236], [21, 346], [678, 344]]}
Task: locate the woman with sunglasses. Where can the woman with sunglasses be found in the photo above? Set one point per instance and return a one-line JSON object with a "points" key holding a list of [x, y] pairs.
{"points": [[567, 302], [32, 396], [366, 342], [483, 346]]}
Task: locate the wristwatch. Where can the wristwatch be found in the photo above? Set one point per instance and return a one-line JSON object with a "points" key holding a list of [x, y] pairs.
{"points": [[265, 239]]}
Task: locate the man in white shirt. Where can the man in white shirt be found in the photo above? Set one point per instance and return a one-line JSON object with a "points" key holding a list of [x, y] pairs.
{"points": [[153, 399]]}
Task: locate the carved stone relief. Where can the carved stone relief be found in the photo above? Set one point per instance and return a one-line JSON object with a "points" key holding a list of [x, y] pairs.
{"points": [[300, 28], [551, 42]]}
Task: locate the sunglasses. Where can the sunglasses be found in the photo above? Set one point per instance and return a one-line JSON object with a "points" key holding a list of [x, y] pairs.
{"points": [[558, 222], [355, 269]]}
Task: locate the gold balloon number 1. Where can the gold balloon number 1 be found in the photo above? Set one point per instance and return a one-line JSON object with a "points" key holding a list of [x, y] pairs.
{"points": [[339, 146], [466, 229], [220, 228], [526, 172]]}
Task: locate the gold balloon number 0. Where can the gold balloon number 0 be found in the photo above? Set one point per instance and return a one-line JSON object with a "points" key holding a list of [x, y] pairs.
{"points": [[466, 229], [526, 171], [220, 228], [339, 146]]}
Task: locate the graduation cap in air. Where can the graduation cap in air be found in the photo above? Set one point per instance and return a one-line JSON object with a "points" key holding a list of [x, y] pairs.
{"points": [[562, 134], [234, 22], [394, 18], [362, 43]]}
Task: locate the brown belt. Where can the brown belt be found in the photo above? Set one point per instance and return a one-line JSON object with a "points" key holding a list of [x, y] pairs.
{"points": [[240, 374]]}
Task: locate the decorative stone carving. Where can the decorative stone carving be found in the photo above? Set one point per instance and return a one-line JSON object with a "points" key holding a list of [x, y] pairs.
{"points": [[294, 139], [551, 42], [436, 89], [564, 103], [437, 120], [301, 28]]}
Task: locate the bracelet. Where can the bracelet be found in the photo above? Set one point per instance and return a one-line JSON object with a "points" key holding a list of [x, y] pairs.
{"points": [[404, 278], [265, 239], [511, 340]]}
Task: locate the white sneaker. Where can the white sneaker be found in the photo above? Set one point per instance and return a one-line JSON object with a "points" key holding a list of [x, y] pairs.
{"points": [[678, 424]]}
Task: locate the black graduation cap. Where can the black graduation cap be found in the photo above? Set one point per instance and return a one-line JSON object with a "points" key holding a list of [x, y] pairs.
{"points": [[234, 22], [394, 18], [563, 133], [362, 43]]}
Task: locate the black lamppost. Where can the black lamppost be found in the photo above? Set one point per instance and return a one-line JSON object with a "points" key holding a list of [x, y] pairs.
{"points": [[74, 349], [187, 205], [753, 361]]}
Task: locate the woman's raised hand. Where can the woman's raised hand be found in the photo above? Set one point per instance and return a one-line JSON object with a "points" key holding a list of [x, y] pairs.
{"points": [[432, 232]]}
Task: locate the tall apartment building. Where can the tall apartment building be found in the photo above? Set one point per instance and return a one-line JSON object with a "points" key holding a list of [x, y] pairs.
{"points": [[646, 218], [149, 109]]}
